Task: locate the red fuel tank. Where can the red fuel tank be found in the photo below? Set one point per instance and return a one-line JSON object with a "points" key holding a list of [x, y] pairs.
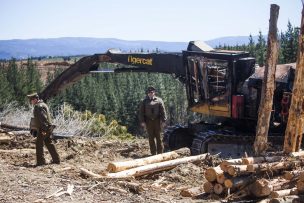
{"points": [[237, 106]]}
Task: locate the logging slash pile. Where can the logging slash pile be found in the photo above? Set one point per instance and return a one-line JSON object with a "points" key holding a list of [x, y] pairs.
{"points": [[96, 170], [276, 178]]}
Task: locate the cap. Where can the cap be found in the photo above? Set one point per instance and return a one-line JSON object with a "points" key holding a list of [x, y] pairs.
{"points": [[149, 89], [33, 95]]}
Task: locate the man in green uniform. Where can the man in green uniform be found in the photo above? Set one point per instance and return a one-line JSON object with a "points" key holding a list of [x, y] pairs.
{"points": [[152, 117], [43, 122]]}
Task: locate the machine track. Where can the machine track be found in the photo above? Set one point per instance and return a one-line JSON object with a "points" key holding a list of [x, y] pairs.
{"points": [[177, 136], [230, 145], [225, 143]]}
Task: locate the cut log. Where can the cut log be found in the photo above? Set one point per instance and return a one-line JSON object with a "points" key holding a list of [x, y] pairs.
{"points": [[282, 193], [4, 139], [300, 186], [288, 199], [301, 176], [289, 175], [218, 188], [212, 173], [272, 166], [224, 164], [297, 154], [156, 167], [255, 160], [240, 194], [120, 166], [263, 187], [260, 188], [239, 182], [191, 192], [221, 177], [208, 187], [237, 170]]}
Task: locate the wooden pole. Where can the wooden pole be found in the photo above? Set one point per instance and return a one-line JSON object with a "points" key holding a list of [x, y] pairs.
{"points": [[294, 129], [265, 109]]}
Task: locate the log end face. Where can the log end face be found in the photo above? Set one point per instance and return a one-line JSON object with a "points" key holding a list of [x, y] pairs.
{"points": [[228, 183], [111, 168]]}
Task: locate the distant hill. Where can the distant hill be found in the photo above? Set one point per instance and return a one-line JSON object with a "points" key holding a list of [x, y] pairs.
{"points": [[231, 41], [71, 46]]}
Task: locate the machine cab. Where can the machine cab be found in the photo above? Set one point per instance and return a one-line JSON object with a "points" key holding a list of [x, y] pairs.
{"points": [[214, 79]]}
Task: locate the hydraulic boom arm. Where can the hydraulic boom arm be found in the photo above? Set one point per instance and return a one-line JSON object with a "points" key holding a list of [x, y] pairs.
{"points": [[171, 63]]}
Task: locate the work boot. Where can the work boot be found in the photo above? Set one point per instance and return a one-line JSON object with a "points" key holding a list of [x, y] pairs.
{"points": [[40, 163], [55, 162]]}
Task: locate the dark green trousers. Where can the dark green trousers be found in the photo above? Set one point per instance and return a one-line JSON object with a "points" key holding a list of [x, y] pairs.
{"points": [[154, 132], [41, 140]]}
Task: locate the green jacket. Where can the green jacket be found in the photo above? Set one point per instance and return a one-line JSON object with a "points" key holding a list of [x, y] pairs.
{"points": [[152, 109], [42, 116]]}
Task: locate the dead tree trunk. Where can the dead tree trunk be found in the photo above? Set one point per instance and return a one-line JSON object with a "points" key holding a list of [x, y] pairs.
{"points": [[260, 143], [295, 124]]}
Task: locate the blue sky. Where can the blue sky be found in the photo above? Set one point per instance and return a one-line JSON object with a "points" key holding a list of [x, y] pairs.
{"points": [[161, 20]]}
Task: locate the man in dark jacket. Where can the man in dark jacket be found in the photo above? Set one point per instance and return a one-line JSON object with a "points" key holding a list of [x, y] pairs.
{"points": [[152, 116], [43, 122]]}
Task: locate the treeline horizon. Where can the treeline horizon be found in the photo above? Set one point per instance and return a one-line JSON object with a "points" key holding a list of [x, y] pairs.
{"points": [[117, 95]]}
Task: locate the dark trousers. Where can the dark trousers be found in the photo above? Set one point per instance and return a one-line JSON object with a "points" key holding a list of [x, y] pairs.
{"points": [[41, 140], [154, 132]]}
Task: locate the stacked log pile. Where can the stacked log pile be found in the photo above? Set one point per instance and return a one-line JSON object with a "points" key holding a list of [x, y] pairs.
{"points": [[273, 177]]}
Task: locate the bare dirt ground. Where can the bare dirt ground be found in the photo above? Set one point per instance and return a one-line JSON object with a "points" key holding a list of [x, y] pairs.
{"points": [[21, 181]]}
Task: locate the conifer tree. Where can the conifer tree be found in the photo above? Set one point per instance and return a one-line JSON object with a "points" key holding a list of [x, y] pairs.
{"points": [[260, 50], [5, 91]]}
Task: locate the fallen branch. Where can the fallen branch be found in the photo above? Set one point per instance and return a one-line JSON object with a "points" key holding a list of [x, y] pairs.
{"points": [[69, 191], [53, 194], [117, 190], [23, 151], [63, 169], [133, 187], [90, 173]]}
